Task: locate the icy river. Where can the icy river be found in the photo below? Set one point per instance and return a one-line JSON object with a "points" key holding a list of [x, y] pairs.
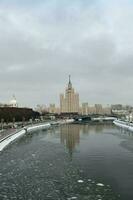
{"points": [[81, 162]]}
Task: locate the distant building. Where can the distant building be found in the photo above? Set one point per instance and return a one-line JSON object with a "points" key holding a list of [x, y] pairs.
{"points": [[13, 103], [99, 109], [107, 110], [52, 108], [57, 110], [69, 103], [117, 107], [91, 109], [80, 110], [95, 109], [85, 110], [42, 109], [120, 110]]}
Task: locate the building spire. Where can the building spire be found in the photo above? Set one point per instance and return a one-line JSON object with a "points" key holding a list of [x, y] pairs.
{"points": [[69, 78], [69, 84]]}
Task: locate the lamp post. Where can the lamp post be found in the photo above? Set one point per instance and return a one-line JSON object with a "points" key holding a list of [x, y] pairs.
{"points": [[2, 121], [13, 122], [23, 121]]}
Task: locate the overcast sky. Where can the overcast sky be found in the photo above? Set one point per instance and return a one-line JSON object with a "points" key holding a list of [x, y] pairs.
{"points": [[43, 41]]}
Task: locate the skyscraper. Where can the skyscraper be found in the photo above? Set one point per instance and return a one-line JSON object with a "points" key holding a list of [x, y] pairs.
{"points": [[69, 103]]}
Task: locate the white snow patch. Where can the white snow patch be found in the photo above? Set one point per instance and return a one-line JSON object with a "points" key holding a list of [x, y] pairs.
{"points": [[72, 198], [100, 184], [80, 181]]}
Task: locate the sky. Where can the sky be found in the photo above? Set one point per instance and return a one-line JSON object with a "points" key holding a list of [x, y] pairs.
{"points": [[43, 41]]}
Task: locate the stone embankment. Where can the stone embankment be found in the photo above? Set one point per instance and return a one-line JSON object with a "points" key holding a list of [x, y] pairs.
{"points": [[124, 125], [9, 136]]}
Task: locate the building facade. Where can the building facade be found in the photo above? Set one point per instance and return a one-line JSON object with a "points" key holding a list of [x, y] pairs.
{"points": [[13, 103], [53, 109], [69, 102], [85, 109], [99, 109]]}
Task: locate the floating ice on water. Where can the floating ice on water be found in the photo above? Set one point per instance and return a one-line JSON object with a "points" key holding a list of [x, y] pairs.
{"points": [[80, 181], [99, 197], [88, 188], [100, 184], [89, 179], [72, 198]]}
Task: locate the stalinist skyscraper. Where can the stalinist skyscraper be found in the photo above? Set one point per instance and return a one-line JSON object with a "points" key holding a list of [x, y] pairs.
{"points": [[69, 103]]}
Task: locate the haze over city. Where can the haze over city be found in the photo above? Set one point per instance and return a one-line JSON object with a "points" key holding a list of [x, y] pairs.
{"points": [[42, 42]]}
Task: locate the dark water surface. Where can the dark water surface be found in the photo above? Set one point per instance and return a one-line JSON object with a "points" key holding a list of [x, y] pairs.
{"points": [[83, 162]]}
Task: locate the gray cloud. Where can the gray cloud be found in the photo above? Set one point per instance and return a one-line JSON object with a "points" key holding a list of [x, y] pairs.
{"points": [[40, 45]]}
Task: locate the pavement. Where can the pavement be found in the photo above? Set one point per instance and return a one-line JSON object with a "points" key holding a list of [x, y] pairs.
{"points": [[6, 133]]}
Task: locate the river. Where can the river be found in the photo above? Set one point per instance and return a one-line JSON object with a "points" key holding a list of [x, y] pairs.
{"points": [[83, 162]]}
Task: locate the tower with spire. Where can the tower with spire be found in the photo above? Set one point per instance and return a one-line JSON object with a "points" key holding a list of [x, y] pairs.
{"points": [[13, 102], [69, 102], [69, 83]]}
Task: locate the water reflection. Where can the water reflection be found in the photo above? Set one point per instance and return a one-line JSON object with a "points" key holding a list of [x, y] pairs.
{"points": [[95, 172], [70, 136], [127, 138]]}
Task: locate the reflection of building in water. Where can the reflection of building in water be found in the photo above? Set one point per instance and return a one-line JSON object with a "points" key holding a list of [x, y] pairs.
{"points": [[94, 128], [85, 129], [70, 136]]}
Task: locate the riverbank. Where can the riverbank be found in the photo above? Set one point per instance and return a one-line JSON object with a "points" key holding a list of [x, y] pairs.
{"points": [[123, 124], [5, 141], [10, 135], [7, 137]]}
